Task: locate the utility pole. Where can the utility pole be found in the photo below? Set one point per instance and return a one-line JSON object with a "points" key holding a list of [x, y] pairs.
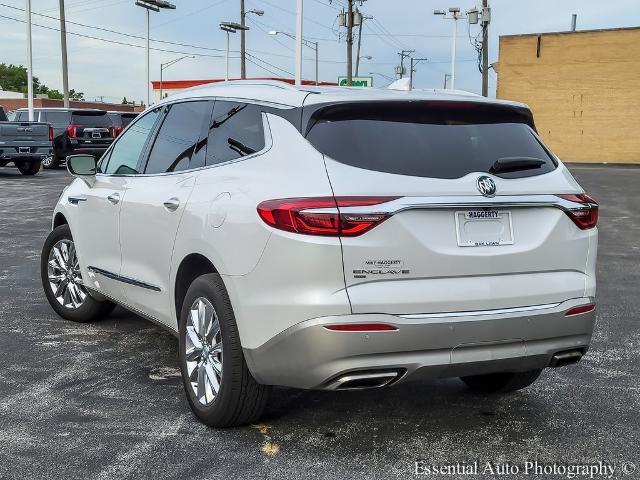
{"points": [[29, 63], [243, 51], [486, 19], [403, 54], [349, 22], [414, 61], [243, 48], [359, 44], [63, 45]]}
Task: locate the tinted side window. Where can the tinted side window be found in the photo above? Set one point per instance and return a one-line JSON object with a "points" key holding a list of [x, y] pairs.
{"points": [[179, 144], [127, 149], [56, 118], [235, 131]]}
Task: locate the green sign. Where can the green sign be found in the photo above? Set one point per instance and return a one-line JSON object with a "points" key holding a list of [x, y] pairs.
{"points": [[356, 81]]}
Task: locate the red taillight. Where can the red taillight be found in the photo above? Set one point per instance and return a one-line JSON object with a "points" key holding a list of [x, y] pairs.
{"points": [[115, 131], [51, 134], [584, 217], [361, 327], [296, 215], [579, 310], [72, 131]]}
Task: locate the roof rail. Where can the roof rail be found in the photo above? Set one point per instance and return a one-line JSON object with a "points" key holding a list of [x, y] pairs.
{"points": [[249, 82]]}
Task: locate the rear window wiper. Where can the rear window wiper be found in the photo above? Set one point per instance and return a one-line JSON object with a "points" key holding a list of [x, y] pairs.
{"points": [[509, 164]]}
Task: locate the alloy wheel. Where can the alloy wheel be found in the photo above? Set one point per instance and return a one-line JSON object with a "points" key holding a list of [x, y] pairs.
{"points": [[203, 351], [63, 271]]}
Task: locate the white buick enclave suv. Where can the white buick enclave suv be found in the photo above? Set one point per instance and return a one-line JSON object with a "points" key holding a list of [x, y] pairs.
{"points": [[331, 238]]}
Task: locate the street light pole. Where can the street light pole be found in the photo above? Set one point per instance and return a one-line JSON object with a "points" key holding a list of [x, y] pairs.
{"points": [[154, 5], [29, 63], [317, 81], [299, 24], [148, 60], [164, 66], [312, 45], [455, 16], [226, 58], [453, 53], [63, 47], [230, 27]]}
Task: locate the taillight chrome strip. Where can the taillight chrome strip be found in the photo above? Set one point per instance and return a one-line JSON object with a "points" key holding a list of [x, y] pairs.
{"points": [[465, 201], [477, 313]]}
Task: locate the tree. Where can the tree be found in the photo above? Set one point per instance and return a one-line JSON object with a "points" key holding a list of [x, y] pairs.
{"points": [[124, 101], [14, 78]]}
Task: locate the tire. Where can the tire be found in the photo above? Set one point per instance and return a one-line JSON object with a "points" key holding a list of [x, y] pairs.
{"points": [[240, 399], [73, 301], [51, 162], [29, 168], [502, 382]]}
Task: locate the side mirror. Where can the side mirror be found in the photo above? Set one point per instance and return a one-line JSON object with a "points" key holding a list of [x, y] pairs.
{"points": [[83, 167]]}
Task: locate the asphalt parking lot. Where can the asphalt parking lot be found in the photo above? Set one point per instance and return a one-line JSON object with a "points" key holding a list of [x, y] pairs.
{"points": [[104, 400]]}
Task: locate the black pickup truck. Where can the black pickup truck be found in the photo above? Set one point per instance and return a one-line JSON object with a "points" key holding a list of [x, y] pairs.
{"points": [[25, 144]]}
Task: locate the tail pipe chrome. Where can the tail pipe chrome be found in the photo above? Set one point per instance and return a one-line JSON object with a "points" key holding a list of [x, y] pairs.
{"points": [[364, 380], [569, 357]]}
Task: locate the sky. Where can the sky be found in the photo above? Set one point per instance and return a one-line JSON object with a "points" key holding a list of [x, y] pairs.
{"points": [[112, 67]]}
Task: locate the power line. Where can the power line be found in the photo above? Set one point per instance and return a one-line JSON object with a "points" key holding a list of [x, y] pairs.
{"points": [[108, 30], [117, 42]]}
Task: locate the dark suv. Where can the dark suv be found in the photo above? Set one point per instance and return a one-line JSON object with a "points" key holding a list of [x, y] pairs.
{"points": [[74, 131]]}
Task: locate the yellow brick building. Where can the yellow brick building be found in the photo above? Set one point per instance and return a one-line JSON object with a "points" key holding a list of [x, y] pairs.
{"points": [[583, 88]]}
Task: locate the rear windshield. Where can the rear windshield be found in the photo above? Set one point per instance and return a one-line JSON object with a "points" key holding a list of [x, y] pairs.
{"points": [[431, 139], [128, 118], [90, 119]]}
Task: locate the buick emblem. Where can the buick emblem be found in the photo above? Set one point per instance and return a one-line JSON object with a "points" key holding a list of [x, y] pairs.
{"points": [[486, 186]]}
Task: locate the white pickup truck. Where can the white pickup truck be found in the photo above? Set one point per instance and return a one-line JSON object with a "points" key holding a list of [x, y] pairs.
{"points": [[25, 144]]}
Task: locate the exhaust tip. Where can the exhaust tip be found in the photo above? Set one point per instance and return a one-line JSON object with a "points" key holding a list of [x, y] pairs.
{"points": [[363, 380], [562, 359]]}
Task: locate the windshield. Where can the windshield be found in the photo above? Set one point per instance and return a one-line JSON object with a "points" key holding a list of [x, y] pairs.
{"points": [[436, 140]]}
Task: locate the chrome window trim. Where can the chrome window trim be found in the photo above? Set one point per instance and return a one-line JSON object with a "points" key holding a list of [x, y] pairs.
{"points": [[268, 143]]}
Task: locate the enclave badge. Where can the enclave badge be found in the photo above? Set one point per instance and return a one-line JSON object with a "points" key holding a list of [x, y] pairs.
{"points": [[486, 186]]}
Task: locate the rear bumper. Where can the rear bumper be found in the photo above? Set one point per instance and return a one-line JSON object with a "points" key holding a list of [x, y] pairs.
{"points": [[308, 355], [35, 153]]}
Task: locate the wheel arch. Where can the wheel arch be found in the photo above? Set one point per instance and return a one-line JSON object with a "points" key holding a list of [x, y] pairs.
{"points": [[191, 267], [59, 219]]}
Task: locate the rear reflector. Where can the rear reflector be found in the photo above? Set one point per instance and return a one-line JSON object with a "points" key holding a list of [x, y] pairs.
{"points": [[295, 215], [579, 310], [361, 327], [584, 217]]}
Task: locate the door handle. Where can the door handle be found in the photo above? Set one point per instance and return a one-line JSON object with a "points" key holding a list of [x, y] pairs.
{"points": [[76, 200], [114, 198], [172, 204]]}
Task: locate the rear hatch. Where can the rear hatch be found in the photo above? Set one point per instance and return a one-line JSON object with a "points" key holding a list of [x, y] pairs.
{"points": [[438, 243], [91, 128], [23, 137]]}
